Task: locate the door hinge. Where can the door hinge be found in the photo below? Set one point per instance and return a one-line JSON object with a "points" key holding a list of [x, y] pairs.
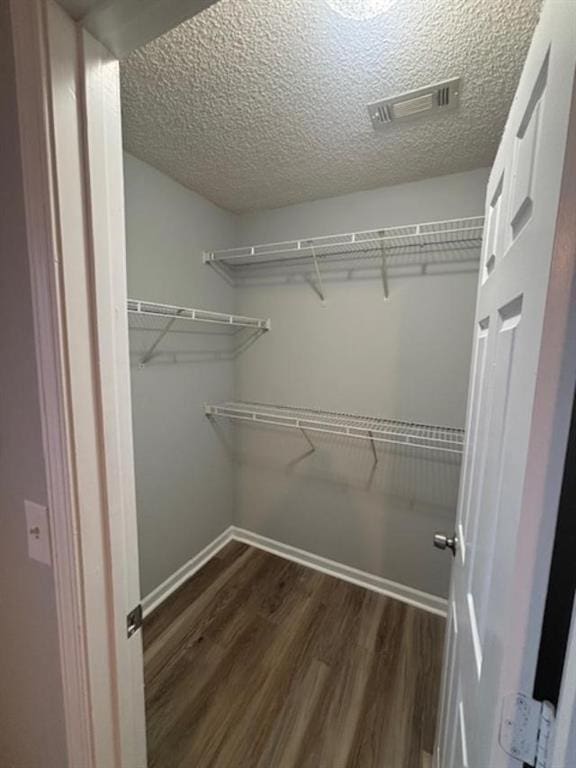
{"points": [[134, 620], [526, 729]]}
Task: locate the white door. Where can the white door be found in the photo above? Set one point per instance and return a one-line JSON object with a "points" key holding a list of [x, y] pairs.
{"points": [[515, 431]]}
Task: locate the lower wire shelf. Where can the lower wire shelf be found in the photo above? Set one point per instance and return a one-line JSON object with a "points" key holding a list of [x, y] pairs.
{"points": [[445, 439]]}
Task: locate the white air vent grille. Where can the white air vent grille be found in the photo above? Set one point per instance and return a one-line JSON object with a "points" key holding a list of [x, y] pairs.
{"points": [[442, 97], [384, 113]]}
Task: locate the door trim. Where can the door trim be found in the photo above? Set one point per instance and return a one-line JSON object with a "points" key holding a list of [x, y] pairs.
{"points": [[82, 434], [107, 296], [35, 118], [564, 745]]}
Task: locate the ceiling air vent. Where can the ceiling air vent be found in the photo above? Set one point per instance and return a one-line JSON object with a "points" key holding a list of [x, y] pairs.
{"points": [[442, 97]]}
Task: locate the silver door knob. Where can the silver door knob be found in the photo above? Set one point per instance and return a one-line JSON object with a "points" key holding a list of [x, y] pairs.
{"points": [[441, 541]]}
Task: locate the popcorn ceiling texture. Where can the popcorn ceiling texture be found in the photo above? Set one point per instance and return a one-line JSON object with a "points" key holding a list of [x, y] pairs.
{"points": [[262, 103]]}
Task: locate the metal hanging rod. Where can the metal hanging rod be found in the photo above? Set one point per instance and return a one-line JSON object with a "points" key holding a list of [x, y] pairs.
{"points": [[151, 316], [374, 430]]}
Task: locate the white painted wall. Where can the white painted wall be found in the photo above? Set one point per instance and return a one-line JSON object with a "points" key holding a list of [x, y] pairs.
{"points": [[31, 705], [405, 358], [460, 194], [184, 474]]}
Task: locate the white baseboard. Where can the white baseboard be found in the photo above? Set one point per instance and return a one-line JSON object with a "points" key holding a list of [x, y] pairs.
{"points": [[158, 595], [423, 600], [415, 597]]}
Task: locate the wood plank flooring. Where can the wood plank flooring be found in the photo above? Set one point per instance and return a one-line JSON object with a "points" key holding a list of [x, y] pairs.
{"points": [[258, 662]]}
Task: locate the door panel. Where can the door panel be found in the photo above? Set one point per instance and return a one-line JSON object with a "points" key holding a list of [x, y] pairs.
{"points": [[476, 433], [461, 752], [487, 509], [493, 238], [525, 150], [450, 686], [504, 540]]}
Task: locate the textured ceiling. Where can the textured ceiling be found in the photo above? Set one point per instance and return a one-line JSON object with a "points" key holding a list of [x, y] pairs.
{"points": [[262, 103]]}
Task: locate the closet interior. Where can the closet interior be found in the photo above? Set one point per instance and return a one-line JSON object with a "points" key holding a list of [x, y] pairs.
{"points": [[300, 342]]}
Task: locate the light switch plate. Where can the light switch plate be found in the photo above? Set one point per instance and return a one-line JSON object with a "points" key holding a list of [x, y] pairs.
{"points": [[38, 532]]}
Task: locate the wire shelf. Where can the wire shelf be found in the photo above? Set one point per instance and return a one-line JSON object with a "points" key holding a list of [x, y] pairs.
{"points": [[162, 312], [445, 439], [165, 318], [453, 237]]}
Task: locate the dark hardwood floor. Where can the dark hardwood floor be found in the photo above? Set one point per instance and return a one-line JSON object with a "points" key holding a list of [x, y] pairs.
{"points": [[257, 662]]}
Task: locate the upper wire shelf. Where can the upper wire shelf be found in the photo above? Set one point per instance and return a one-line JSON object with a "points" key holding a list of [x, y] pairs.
{"points": [[449, 240], [163, 318], [444, 439]]}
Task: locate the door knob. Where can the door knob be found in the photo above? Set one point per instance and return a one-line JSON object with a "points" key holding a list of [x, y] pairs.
{"points": [[441, 541]]}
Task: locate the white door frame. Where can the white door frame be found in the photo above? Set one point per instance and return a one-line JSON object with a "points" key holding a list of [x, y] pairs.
{"points": [[564, 740], [69, 115], [564, 743], [28, 26], [77, 262]]}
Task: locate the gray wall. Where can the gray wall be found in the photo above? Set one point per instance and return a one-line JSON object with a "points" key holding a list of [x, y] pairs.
{"points": [[184, 474], [405, 358], [31, 706]]}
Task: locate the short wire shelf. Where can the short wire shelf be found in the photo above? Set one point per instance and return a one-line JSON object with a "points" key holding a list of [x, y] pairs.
{"points": [[375, 430], [148, 309], [163, 318]]}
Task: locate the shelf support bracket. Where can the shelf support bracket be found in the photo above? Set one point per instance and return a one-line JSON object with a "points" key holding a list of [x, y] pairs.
{"points": [[219, 268], [320, 286], [146, 357], [310, 443], [256, 333], [384, 269], [374, 454], [307, 453]]}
